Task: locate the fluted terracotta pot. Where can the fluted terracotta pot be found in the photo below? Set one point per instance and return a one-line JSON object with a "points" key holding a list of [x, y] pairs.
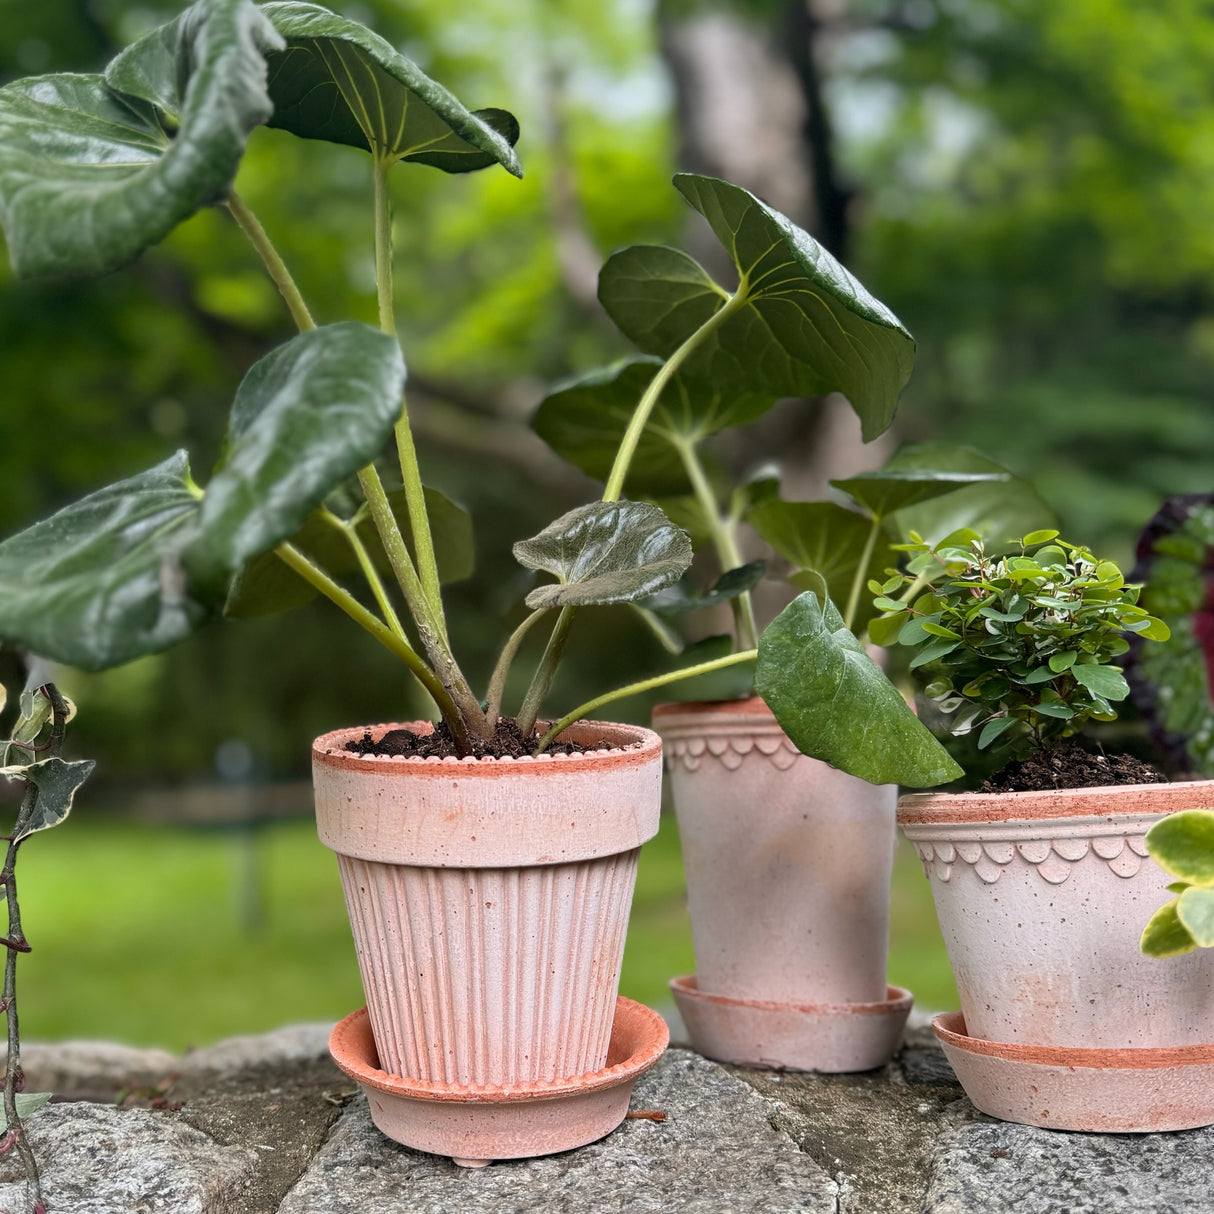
{"points": [[788, 867], [1042, 898], [489, 899]]}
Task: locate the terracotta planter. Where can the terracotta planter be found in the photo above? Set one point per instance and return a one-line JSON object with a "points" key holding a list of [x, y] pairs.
{"points": [[489, 900], [1042, 898], [788, 868]]}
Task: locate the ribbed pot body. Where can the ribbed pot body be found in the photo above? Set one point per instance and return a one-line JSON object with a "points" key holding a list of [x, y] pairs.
{"points": [[489, 899], [1042, 898], [788, 860]]}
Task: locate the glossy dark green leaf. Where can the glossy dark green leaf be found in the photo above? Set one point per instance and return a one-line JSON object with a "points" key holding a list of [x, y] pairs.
{"points": [[997, 510], [100, 582], [826, 540], [837, 706], [305, 417], [890, 489], [1165, 935], [807, 327], [606, 552], [584, 422], [732, 583], [90, 177], [731, 683], [56, 781], [339, 81]]}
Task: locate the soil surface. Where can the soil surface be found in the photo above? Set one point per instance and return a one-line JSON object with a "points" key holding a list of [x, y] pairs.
{"points": [[507, 742], [1068, 765]]}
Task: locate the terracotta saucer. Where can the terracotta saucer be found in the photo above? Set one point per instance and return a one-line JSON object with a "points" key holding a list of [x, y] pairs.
{"points": [[1118, 1091], [830, 1037], [476, 1124]]}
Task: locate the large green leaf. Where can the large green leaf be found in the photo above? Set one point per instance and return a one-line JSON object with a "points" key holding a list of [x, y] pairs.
{"points": [[56, 781], [997, 510], [837, 706], [305, 417], [337, 80], [824, 543], [807, 327], [584, 421], [100, 582], [889, 489], [606, 552], [90, 177]]}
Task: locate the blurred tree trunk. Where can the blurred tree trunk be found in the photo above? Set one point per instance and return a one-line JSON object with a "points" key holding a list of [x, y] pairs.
{"points": [[750, 105]]}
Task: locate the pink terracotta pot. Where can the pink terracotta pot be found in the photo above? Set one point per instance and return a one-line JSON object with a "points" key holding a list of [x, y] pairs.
{"points": [[788, 869], [489, 899], [1042, 898]]}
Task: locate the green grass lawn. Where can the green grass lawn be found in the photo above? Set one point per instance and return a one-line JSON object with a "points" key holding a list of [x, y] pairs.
{"points": [[141, 933]]}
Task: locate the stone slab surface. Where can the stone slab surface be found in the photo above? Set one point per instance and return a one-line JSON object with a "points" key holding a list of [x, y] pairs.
{"points": [[267, 1125], [716, 1153], [98, 1159]]}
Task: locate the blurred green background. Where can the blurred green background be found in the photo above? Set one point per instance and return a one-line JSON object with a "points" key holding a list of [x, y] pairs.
{"points": [[1023, 182]]}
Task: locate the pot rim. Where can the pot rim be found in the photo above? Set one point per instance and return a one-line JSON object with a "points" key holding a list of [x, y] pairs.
{"points": [[1105, 801], [748, 706], [640, 748]]}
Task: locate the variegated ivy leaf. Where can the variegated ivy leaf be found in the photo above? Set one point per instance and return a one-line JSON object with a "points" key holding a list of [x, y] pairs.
{"points": [[800, 324], [339, 81], [56, 781], [95, 169], [606, 552]]}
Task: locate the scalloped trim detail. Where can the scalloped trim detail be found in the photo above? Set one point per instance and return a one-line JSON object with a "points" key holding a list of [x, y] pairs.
{"points": [[729, 750], [1054, 859]]}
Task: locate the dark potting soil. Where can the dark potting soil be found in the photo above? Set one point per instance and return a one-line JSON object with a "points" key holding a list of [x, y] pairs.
{"points": [[1068, 765], [507, 742]]}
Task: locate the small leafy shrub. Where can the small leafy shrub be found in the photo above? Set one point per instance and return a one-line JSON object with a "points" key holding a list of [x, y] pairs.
{"points": [[1020, 647], [1183, 845]]}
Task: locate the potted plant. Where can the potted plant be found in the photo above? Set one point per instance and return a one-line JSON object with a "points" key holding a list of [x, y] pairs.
{"points": [[498, 1032], [1041, 886], [788, 859]]}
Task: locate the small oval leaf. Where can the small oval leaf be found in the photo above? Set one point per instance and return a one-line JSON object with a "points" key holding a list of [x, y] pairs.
{"points": [[1183, 845], [1165, 935]]}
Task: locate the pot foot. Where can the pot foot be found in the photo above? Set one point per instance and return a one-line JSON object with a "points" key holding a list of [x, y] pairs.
{"points": [[829, 1037], [476, 1124], [1102, 1091]]}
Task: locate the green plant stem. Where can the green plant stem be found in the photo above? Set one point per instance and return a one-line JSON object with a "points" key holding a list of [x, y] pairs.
{"points": [[666, 636], [723, 539], [274, 264], [615, 486], [410, 472], [342, 598], [640, 418], [368, 570], [733, 659], [457, 692], [545, 672], [497, 684], [858, 582]]}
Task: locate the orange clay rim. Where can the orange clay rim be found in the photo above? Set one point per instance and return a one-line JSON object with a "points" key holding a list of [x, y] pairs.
{"points": [[897, 1000], [916, 809], [636, 1028], [636, 746], [949, 1027]]}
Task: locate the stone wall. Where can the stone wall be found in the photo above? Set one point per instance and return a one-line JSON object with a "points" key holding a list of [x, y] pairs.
{"points": [[267, 1125]]}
